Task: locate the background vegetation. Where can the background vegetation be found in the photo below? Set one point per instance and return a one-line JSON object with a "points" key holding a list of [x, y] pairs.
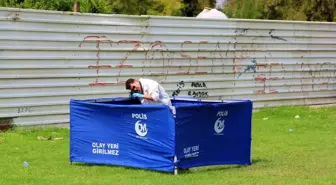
{"points": [[304, 10]]}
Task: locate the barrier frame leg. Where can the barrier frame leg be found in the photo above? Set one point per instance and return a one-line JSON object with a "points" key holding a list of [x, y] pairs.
{"points": [[175, 166]]}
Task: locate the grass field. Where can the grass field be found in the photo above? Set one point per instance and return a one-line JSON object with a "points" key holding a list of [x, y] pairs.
{"points": [[307, 155]]}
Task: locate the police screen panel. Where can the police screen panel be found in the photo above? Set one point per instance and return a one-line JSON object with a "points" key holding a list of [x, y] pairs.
{"points": [[117, 132]]}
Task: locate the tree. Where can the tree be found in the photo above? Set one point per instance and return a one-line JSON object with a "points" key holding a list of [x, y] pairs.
{"points": [[95, 6], [305, 10], [61, 5], [133, 7], [171, 7], [320, 10], [192, 8], [247, 9]]}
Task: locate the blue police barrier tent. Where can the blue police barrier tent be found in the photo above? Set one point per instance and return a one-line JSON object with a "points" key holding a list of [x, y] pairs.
{"points": [[192, 133]]}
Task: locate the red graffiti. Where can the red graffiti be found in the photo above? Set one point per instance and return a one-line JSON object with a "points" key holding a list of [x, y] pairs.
{"points": [[270, 74], [121, 82], [135, 48], [100, 66], [182, 52], [199, 49], [128, 41], [261, 65], [274, 91], [183, 55], [124, 66], [260, 92], [201, 73], [98, 40], [105, 83], [260, 78], [162, 49], [220, 56], [101, 84], [182, 73], [216, 50], [158, 50], [188, 73]]}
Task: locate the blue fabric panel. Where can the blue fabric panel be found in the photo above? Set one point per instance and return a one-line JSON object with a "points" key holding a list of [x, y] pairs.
{"points": [[213, 133], [121, 134]]}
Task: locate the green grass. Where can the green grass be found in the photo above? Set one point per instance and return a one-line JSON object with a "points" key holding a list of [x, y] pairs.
{"points": [[305, 156]]}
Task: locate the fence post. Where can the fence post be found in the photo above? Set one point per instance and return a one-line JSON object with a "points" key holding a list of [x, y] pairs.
{"points": [[76, 7]]}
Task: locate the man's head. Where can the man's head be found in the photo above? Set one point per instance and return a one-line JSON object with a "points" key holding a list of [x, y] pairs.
{"points": [[132, 84]]}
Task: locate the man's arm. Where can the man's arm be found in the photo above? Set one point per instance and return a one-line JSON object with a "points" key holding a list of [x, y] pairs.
{"points": [[153, 92], [144, 96], [148, 97]]}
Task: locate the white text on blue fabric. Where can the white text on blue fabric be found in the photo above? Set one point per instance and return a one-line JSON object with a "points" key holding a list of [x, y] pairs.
{"points": [[192, 151], [223, 113], [139, 116], [105, 148]]}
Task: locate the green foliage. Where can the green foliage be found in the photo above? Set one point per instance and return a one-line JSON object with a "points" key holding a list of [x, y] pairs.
{"points": [[60, 5], [305, 10], [133, 7], [192, 8], [137, 7], [282, 9], [320, 10], [95, 6], [172, 7], [246, 9]]}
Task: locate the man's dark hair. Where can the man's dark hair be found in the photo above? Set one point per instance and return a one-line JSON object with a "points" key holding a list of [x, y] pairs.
{"points": [[129, 82]]}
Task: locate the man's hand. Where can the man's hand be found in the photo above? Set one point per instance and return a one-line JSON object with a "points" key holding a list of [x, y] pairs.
{"points": [[137, 95]]}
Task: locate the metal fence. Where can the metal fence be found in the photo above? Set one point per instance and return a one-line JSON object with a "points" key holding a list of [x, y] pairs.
{"points": [[47, 58]]}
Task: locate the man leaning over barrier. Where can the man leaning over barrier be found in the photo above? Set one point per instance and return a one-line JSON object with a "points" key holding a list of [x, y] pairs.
{"points": [[147, 91]]}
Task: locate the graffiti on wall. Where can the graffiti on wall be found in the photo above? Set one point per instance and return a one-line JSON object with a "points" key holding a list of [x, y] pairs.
{"points": [[194, 89], [180, 86], [227, 53], [200, 90]]}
